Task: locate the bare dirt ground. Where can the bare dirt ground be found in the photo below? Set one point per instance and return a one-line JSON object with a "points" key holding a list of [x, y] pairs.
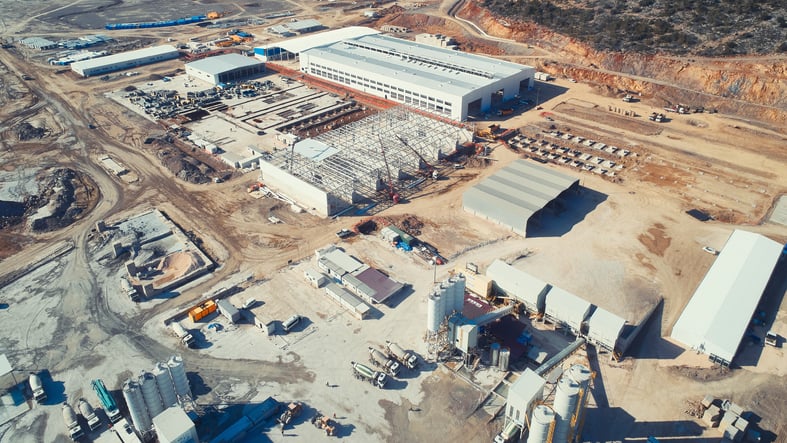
{"points": [[637, 236]]}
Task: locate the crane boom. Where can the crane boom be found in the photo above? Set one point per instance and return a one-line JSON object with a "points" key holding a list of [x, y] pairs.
{"points": [[391, 191]]}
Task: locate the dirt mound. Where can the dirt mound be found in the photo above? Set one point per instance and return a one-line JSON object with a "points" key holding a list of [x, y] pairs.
{"points": [[177, 265], [183, 166]]}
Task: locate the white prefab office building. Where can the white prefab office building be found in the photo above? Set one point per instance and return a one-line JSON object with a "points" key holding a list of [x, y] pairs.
{"points": [[523, 395], [174, 426], [124, 60], [225, 68], [721, 308], [441, 81]]}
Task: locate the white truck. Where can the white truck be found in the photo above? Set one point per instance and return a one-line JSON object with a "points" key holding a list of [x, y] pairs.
{"points": [[181, 332], [37, 387], [70, 417], [389, 365], [93, 421], [408, 359], [363, 372]]}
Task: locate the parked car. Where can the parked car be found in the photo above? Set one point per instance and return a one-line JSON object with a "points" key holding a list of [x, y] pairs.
{"points": [[710, 250], [290, 323]]}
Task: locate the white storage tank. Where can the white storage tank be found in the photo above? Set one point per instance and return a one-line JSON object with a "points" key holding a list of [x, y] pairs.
{"points": [[581, 375], [450, 285], [495, 351], [540, 421], [434, 316], [178, 373], [459, 299], [446, 299], [165, 387], [136, 406], [505, 354], [147, 382], [565, 405]]}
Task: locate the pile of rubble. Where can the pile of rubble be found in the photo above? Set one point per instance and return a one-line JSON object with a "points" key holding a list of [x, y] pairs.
{"points": [[25, 131], [184, 167]]}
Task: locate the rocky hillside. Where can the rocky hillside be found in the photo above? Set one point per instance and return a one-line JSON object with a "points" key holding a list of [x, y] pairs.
{"points": [[697, 27]]}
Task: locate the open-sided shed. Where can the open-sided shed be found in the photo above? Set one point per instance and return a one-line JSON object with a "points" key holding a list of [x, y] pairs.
{"points": [[518, 284], [566, 309]]}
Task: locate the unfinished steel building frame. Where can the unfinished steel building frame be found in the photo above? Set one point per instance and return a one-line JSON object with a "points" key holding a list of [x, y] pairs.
{"points": [[351, 165]]}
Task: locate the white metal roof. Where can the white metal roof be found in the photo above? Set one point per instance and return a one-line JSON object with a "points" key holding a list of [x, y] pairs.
{"points": [[414, 64], [297, 45], [300, 25], [5, 365], [124, 56], [223, 63], [719, 312], [513, 194], [314, 150], [566, 307], [516, 283], [172, 423], [605, 327], [528, 387], [343, 260]]}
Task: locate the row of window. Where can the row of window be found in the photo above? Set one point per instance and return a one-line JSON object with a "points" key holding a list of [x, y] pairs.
{"points": [[436, 105]]}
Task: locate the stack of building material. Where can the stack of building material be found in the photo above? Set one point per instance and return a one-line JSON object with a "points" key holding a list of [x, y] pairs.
{"points": [[712, 416]]}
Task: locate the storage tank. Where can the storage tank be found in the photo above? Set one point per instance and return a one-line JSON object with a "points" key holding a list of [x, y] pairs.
{"points": [[147, 383], [165, 387], [565, 405], [505, 354], [495, 350], [450, 285], [581, 375], [178, 373], [446, 298], [539, 424], [433, 315], [459, 299], [136, 406]]}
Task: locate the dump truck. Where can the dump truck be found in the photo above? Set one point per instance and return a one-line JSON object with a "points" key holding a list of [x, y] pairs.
{"points": [[325, 423], [408, 359], [389, 365], [363, 372], [70, 418], [37, 387], [107, 402], [181, 332], [93, 421], [293, 410]]}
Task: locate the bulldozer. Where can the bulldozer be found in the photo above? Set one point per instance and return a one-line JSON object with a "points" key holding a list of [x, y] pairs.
{"points": [[325, 423]]}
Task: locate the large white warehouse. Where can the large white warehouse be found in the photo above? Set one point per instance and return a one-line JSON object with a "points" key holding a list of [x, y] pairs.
{"points": [[449, 83], [124, 60], [225, 68]]}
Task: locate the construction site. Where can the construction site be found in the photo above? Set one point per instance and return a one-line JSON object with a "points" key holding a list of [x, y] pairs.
{"points": [[239, 249]]}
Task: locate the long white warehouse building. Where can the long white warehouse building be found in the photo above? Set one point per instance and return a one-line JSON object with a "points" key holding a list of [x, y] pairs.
{"points": [[441, 81], [124, 60]]}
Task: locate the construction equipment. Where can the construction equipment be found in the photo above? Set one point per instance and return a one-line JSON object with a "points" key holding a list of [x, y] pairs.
{"points": [[70, 417], [37, 387], [389, 365], [181, 332], [325, 423], [110, 407], [408, 359], [392, 194], [628, 98], [93, 421], [363, 372], [430, 170], [293, 410]]}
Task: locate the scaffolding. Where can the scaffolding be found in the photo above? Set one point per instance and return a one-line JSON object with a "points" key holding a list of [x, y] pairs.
{"points": [[355, 171]]}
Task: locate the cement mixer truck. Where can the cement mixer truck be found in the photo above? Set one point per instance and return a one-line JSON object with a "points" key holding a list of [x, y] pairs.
{"points": [[363, 372], [181, 332], [93, 421], [389, 365], [37, 387], [70, 417], [408, 359]]}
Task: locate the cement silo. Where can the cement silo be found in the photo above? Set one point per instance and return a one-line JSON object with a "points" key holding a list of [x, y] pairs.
{"points": [[459, 294], [165, 387], [540, 421], [434, 315], [136, 406], [178, 373], [581, 375], [565, 404], [446, 298], [147, 383]]}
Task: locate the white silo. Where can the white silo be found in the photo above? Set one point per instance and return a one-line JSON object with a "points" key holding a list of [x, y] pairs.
{"points": [[434, 315], [505, 355], [565, 405], [459, 295], [450, 285], [178, 373], [495, 353], [147, 383], [165, 387], [540, 421], [136, 406], [581, 375], [446, 297]]}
